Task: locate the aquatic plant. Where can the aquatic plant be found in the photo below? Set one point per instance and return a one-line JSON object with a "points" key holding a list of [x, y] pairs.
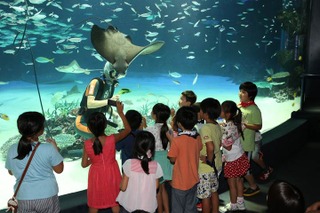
{"points": [[292, 21], [146, 108], [284, 56], [61, 109]]}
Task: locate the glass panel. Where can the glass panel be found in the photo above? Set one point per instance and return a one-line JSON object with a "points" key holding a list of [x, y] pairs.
{"points": [[211, 47]]}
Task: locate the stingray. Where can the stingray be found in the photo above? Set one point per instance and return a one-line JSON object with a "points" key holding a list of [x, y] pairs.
{"points": [[74, 68], [117, 47]]}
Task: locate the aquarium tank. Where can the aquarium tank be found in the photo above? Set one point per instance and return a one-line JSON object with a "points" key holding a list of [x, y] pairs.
{"points": [[210, 47]]}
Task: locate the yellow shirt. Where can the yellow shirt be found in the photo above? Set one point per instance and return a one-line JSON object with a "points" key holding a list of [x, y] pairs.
{"points": [[211, 133]]}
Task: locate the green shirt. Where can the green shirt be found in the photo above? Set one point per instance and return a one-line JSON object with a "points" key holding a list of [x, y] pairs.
{"points": [[250, 115]]}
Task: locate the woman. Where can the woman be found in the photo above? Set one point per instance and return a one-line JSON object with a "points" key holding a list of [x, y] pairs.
{"points": [[39, 188]]}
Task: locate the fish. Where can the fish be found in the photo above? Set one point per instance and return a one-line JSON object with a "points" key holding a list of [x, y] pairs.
{"points": [[74, 68], [176, 82], [12, 52], [269, 79], [19, 9], [4, 82], [196, 24], [195, 79], [151, 34], [175, 74], [4, 116], [117, 47], [119, 9], [185, 47], [123, 91], [75, 40], [190, 57], [44, 60], [37, 1], [38, 16], [73, 90]]}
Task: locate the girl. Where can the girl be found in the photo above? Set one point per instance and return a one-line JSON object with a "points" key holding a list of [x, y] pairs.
{"points": [[160, 114], [139, 194], [31, 196], [236, 162], [99, 152]]}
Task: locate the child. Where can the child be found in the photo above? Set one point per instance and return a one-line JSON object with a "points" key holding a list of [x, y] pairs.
{"points": [[140, 178], [187, 98], [236, 162], [136, 122], [99, 152], [252, 120], [184, 153], [210, 164], [160, 114]]}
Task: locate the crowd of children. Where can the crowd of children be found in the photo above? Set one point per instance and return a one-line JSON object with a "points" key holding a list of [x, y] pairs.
{"points": [[189, 154]]}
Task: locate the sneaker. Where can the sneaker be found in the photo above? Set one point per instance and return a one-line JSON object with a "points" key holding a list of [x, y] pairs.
{"points": [[266, 174], [250, 192], [199, 207], [228, 208], [241, 206]]}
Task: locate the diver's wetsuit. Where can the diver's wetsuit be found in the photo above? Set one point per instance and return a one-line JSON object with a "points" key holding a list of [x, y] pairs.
{"points": [[103, 90]]}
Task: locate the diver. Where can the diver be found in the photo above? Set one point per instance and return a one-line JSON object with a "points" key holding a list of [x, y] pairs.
{"points": [[98, 97], [119, 52]]}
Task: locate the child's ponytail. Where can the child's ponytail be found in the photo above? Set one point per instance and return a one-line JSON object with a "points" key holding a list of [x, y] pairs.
{"points": [[162, 113], [97, 123], [237, 120], [145, 161], [143, 149]]}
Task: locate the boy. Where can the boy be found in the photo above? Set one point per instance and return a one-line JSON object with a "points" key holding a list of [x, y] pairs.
{"points": [[252, 121], [187, 98], [210, 163], [184, 153]]}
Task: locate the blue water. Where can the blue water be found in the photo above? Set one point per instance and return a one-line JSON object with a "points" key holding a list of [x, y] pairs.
{"points": [[244, 48]]}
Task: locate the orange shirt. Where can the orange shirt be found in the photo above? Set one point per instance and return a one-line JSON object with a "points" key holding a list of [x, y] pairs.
{"points": [[186, 150]]}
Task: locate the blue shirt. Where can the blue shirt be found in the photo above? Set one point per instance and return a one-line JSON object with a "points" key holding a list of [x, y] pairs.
{"points": [[39, 182], [126, 146]]}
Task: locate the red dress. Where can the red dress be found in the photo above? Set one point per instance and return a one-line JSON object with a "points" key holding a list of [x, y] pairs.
{"points": [[104, 175]]}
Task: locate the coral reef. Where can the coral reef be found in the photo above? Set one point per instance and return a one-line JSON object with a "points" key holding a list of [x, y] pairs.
{"points": [[60, 126], [285, 94], [5, 147]]}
